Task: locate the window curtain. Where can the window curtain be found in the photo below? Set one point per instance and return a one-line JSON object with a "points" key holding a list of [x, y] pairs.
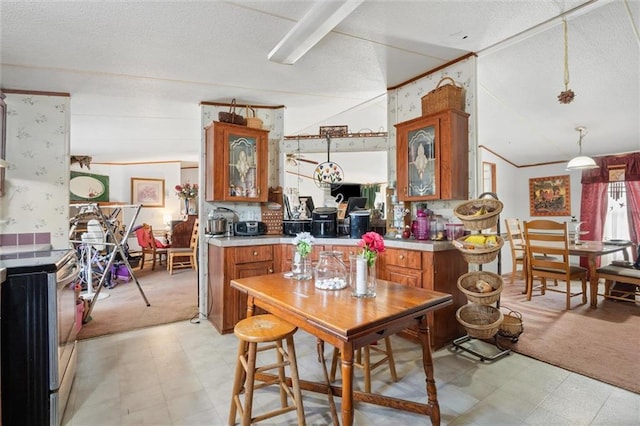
{"points": [[369, 192], [593, 212], [633, 212], [593, 206]]}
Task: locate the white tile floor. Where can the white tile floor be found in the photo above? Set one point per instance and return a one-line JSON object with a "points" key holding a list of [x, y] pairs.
{"points": [[181, 374]]}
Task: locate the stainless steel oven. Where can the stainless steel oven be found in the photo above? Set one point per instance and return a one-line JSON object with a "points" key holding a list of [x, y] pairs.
{"points": [[38, 335]]}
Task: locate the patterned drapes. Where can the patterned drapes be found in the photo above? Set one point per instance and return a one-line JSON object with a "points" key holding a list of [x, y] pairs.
{"points": [[593, 212], [630, 162], [633, 211]]}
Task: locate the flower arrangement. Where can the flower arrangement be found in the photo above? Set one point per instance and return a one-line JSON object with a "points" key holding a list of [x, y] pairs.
{"points": [[372, 244], [187, 191], [303, 242]]}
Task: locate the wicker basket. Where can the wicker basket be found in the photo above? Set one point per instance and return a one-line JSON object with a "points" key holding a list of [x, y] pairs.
{"points": [[479, 255], [273, 220], [465, 212], [511, 325], [253, 121], [443, 97], [467, 282], [480, 321]]}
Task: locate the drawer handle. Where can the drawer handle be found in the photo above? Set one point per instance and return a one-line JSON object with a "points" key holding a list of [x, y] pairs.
{"points": [[255, 253], [271, 270], [402, 257]]}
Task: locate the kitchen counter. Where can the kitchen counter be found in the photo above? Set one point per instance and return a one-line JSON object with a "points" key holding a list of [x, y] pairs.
{"points": [[409, 244]]}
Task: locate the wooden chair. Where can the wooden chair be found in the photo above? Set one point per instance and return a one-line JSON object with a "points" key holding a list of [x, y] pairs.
{"points": [[365, 364], [517, 245], [180, 258], [629, 291], [547, 244], [150, 246]]}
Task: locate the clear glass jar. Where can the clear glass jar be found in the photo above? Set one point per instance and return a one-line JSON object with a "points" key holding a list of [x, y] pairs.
{"points": [[330, 272]]}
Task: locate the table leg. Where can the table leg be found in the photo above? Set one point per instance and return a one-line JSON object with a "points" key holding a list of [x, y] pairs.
{"points": [[347, 384], [593, 281], [427, 362]]}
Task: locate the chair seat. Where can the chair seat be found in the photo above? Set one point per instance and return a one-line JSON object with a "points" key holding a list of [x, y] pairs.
{"points": [[573, 270], [263, 328], [181, 250]]}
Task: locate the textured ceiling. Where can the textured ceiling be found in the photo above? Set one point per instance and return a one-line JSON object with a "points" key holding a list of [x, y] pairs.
{"points": [[138, 70]]}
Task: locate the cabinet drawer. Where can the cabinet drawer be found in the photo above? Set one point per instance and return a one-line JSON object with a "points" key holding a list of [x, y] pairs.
{"points": [[252, 254], [404, 276], [404, 258]]}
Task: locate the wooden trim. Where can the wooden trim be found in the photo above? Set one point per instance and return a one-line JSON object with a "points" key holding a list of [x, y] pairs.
{"points": [[133, 163], [461, 58], [241, 105], [35, 92], [517, 165]]}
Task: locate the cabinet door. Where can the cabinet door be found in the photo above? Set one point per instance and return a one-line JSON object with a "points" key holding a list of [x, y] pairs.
{"points": [[410, 277], [418, 159], [236, 162], [238, 309]]}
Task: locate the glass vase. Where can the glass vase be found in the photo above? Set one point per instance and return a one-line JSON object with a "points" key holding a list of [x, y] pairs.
{"points": [[330, 272], [186, 206], [362, 276], [300, 266]]}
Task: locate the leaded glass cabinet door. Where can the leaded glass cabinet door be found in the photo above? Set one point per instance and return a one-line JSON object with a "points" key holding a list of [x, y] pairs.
{"points": [[236, 161], [418, 160]]}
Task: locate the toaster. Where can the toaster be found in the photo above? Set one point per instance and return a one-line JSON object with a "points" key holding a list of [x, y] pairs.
{"points": [[249, 228]]}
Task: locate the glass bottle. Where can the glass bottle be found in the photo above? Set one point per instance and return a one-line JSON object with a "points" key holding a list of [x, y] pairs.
{"points": [[330, 272]]}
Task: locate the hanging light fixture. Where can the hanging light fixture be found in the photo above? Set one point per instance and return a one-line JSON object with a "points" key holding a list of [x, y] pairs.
{"points": [[581, 162], [567, 95]]}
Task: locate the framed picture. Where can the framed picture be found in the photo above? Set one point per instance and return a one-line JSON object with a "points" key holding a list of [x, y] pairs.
{"points": [[550, 196], [148, 192], [88, 187]]}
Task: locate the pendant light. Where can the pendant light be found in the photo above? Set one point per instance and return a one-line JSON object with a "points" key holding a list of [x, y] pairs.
{"points": [[581, 162]]}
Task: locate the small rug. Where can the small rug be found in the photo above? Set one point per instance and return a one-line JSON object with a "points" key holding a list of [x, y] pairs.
{"points": [[171, 297], [602, 343]]}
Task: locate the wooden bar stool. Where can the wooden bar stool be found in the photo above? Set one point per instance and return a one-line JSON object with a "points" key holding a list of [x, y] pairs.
{"points": [[365, 364], [264, 329]]}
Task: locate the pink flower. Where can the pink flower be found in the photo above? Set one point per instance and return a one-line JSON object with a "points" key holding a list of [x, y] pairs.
{"points": [[372, 244]]}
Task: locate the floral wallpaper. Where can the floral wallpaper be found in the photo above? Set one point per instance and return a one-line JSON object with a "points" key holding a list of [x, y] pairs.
{"points": [[35, 208]]}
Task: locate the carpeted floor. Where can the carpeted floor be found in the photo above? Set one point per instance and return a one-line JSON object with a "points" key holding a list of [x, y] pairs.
{"points": [[172, 298], [602, 343]]}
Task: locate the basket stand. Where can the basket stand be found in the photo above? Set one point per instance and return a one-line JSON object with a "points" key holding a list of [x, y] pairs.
{"points": [[457, 344]]}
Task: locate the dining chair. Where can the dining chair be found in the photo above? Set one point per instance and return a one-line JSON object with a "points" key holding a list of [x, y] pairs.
{"points": [[517, 245], [150, 246], [185, 257], [547, 244]]}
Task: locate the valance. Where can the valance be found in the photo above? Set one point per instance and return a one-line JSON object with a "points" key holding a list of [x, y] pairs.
{"points": [[630, 163]]}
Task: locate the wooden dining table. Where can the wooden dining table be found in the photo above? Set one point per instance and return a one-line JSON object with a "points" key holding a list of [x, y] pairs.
{"points": [[592, 250], [350, 323]]}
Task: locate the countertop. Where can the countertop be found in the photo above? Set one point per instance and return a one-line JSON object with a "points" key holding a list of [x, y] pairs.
{"points": [[409, 244]]}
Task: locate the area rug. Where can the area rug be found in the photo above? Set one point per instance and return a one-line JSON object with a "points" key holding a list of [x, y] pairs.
{"points": [[171, 297], [602, 343]]}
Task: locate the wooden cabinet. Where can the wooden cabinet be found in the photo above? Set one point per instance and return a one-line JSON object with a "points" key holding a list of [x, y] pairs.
{"points": [[432, 158], [236, 163], [228, 305], [433, 270], [284, 254]]}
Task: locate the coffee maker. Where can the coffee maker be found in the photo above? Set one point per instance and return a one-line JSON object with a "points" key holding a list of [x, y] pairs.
{"points": [[324, 222], [358, 223]]}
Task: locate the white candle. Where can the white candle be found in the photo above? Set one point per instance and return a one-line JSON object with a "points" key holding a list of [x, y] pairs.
{"points": [[361, 275]]}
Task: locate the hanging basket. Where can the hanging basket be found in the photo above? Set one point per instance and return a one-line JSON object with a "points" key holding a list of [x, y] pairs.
{"points": [[481, 213], [478, 255], [480, 321], [467, 285], [253, 121]]}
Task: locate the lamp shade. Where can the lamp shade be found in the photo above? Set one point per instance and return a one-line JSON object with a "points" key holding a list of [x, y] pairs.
{"points": [[582, 163]]}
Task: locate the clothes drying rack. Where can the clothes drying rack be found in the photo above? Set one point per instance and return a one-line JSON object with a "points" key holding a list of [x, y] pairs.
{"points": [[114, 244]]}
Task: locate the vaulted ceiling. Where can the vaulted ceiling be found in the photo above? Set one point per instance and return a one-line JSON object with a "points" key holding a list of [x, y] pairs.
{"points": [[137, 70]]}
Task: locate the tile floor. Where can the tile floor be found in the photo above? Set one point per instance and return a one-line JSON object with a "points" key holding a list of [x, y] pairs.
{"points": [[181, 374]]}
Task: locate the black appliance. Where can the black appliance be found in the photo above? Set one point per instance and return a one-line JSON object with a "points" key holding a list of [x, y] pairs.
{"points": [[38, 335], [358, 223], [324, 222], [249, 228], [294, 227]]}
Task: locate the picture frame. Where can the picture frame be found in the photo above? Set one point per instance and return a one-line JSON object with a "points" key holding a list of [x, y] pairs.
{"points": [[550, 196], [147, 192]]}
